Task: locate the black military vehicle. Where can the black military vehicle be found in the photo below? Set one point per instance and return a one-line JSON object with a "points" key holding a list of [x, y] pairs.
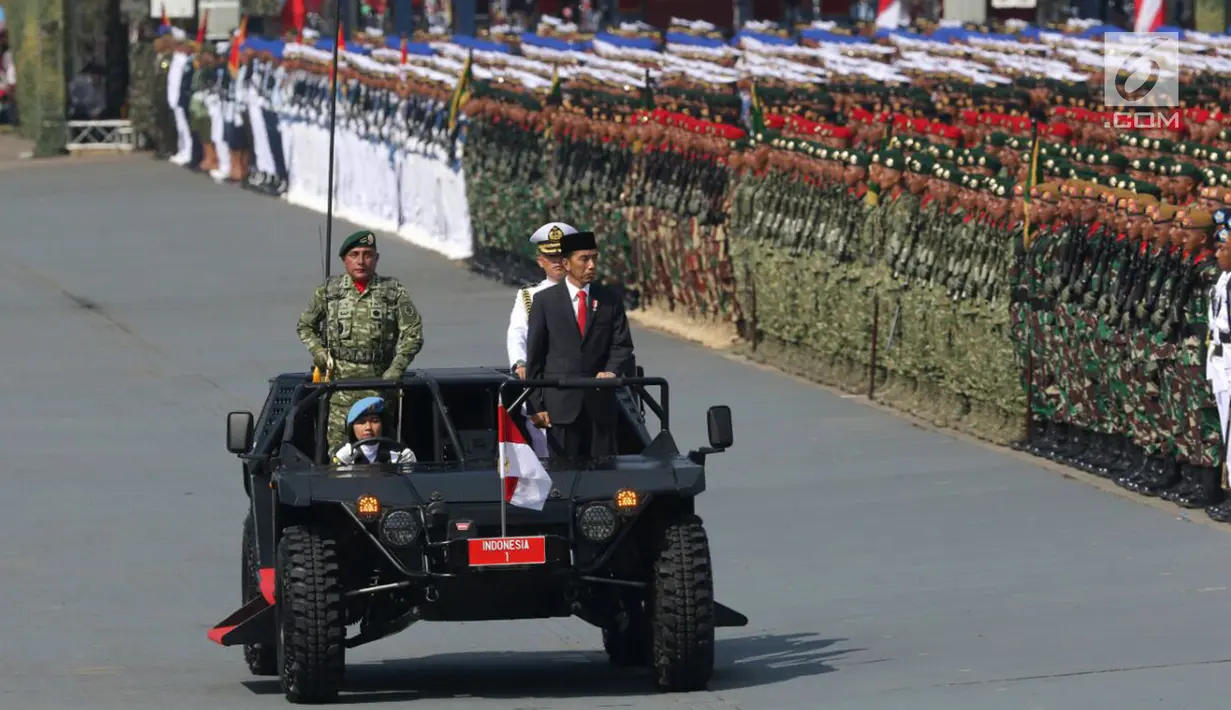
{"points": [[617, 543]]}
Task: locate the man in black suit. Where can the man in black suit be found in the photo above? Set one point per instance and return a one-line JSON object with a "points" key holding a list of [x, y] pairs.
{"points": [[578, 329]]}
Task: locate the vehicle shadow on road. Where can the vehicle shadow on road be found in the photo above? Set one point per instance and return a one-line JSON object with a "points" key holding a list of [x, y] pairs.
{"points": [[742, 662]]}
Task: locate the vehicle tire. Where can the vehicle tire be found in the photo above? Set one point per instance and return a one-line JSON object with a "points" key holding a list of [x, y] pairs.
{"points": [[632, 646], [682, 610], [262, 659], [311, 623]]}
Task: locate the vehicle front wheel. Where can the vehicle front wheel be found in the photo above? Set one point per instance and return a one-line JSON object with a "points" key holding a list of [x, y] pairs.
{"points": [[682, 610], [262, 658], [311, 621]]}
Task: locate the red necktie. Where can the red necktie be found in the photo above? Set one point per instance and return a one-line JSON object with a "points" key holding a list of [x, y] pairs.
{"points": [[581, 312]]}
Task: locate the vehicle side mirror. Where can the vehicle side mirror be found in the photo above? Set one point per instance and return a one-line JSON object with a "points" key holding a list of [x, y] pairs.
{"points": [[718, 421], [239, 432]]}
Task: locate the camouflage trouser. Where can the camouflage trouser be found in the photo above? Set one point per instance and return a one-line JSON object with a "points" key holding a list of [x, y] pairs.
{"points": [[1047, 397], [1197, 440], [1117, 379], [1103, 361], [1136, 390], [1170, 399], [1067, 341]]}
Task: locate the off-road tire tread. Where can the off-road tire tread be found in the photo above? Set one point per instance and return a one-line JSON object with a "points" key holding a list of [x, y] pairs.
{"points": [[314, 654], [682, 620], [262, 659]]}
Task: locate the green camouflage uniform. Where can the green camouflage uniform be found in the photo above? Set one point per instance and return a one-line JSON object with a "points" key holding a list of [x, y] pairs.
{"points": [[376, 333], [142, 92]]}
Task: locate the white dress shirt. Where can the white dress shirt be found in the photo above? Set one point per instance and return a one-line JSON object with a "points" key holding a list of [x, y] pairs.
{"points": [[519, 323], [572, 297]]}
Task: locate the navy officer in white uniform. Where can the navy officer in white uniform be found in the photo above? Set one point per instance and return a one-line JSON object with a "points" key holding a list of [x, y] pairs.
{"points": [[547, 242]]}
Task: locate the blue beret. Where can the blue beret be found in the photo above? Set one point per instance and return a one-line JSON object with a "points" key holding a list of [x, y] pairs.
{"points": [[1220, 216], [1222, 234], [365, 406]]}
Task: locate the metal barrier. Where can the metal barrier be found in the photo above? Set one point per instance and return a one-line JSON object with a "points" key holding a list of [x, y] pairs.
{"points": [[86, 136]]}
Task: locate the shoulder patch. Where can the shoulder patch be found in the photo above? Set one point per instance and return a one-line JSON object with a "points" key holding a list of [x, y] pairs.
{"points": [[525, 299]]}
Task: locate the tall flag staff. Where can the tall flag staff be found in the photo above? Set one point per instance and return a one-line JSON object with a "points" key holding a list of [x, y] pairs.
{"points": [[317, 375]]}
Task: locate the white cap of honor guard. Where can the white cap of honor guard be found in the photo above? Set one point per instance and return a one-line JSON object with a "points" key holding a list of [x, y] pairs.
{"points": [[548, 237]]}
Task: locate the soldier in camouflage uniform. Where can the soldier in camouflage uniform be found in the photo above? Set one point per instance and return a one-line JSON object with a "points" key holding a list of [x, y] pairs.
{"points": [[1198, 436], [359, 325], [143, 91]]}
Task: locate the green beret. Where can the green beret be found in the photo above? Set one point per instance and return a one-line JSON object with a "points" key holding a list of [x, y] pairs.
{"points": [[943, 169], [1000, 187], [362, 238], [1184, 170], [1114, 160], [1146, 188], [986, 161], [921, 163], [891, 159], [997, 139], [856, 158]]}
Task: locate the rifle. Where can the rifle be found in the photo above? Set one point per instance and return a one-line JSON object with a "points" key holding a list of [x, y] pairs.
{"points": [[317, 375]]}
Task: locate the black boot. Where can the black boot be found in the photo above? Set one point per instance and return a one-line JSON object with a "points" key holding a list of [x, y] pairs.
{"points": [[1207, 492], [1122, 455], [1045, 438], [1164, 474], [1221, 512], [1187, 485], [1085, 446], [1136, 472], [1102, 455]]}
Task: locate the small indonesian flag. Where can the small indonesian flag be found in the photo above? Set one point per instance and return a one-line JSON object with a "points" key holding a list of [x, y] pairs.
{"points": [[1147, 15], [889, 14], [526, 483]]}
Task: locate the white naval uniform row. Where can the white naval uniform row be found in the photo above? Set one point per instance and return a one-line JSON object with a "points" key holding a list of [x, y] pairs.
{"points": [[519, 326], [1218, 362]]}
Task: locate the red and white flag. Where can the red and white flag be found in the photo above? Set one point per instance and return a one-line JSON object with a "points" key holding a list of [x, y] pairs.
{"points": [[1148, 15], [889, 14], [526, 483]]}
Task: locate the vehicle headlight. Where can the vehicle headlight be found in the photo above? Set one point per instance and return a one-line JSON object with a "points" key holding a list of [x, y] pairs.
{"points": [[597, 521], [399, 528]]}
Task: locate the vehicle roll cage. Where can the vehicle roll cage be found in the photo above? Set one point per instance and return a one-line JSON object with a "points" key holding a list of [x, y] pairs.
{"points": [[313, 393]]}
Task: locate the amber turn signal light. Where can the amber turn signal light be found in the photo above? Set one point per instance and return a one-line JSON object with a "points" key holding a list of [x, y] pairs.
{"points": [[626, 498], [368, 506]]}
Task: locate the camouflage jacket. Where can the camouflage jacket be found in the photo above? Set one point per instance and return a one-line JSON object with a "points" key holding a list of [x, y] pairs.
{"points": [[374, 333]]}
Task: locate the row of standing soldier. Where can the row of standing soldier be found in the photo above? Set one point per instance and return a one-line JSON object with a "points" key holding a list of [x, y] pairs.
{"points": [[1109, 315]]}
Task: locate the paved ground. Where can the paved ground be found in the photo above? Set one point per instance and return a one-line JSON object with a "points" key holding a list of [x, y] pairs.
{"points": [[881, 565]]}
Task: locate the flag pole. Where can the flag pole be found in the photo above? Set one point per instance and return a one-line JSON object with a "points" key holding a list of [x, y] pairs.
{"points": [[503, 462]]}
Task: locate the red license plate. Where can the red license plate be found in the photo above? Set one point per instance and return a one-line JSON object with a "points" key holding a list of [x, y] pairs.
{"points": [[491, 551]]}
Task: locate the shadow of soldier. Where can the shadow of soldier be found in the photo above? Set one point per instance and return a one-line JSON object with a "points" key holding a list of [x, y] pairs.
{"points": [[744, 662], [751, 661]]}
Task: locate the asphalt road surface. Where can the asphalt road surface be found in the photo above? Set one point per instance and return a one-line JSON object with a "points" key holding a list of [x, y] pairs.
{"points": [[881, 565]]}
